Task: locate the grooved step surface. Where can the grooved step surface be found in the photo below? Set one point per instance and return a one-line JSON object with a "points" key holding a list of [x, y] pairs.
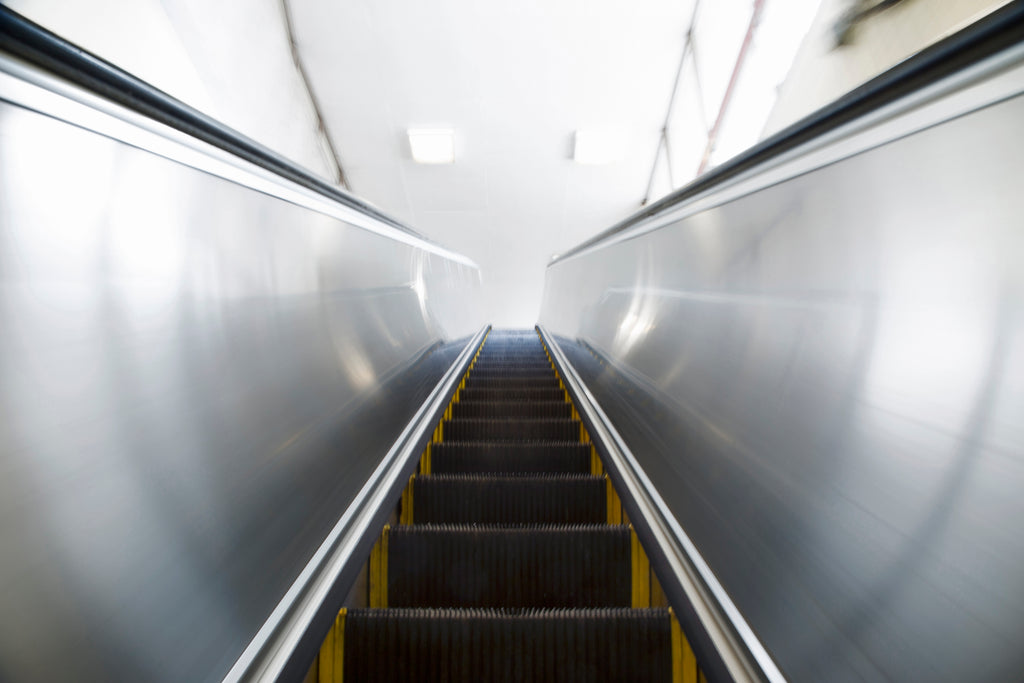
{"points": [[512, 383], [509, 499], [530, 566], [512, 372], [552, 457], [512, 409], [515, 374], [467, 395], [508, 645], [538, 365], [511, 429], [508, 353], [539, 361]]}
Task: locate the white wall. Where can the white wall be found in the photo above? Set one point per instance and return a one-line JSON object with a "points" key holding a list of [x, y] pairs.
{"points": [[821, 72], [229, 59]]}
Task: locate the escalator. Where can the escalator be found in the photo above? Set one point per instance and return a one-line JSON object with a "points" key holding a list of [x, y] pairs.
{"points": [[810, 421], [511, 558]]}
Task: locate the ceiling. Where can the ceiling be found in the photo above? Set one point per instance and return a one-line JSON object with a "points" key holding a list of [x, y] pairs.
{"points": [[515, 80]]}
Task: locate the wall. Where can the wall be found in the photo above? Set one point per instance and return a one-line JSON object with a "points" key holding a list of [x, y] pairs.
{"points": [[230, 59], [822, 72]]}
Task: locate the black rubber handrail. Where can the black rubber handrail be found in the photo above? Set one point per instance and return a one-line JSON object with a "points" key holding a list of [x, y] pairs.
{"points": [[995, 32], [36, 45]]}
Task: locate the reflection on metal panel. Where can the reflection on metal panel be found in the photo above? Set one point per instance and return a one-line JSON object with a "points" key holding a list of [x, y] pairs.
{"points": [[195, 380], [825, 378]]}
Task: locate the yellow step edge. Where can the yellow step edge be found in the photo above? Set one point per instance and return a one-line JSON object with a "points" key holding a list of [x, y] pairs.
{"points": [[641, 593], [614, 505], [405, 517], [658, 597], [331, 660], [596, 467], [684, 661], [378, 575]]}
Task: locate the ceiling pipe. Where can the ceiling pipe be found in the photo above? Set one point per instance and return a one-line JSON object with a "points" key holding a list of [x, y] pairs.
{"points": [[663, 137], [320, 123]]}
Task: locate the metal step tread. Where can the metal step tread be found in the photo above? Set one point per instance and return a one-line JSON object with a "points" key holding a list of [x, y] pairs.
{"points": [[475, 456], [508, 645], [472, 565], [511, 429], [519, 498]]}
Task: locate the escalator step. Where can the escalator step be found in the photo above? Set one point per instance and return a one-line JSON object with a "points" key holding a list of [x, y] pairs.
{"points": [[512, 373], [497, 337], [509, 499], [509, 566], [512, 382], [507, 645], [512, 341], [537, 364], [513, 351], [512, 395], [514, 429], [512, 409], [483, 457], [512, 370], [524, 345]]}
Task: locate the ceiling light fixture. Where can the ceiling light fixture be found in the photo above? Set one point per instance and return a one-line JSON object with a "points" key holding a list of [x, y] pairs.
{"points": [[432, 145], [597, 146]]}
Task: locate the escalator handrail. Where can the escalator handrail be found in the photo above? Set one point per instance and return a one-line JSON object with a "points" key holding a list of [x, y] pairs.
{"points": [[26, 40], [984, 38]]}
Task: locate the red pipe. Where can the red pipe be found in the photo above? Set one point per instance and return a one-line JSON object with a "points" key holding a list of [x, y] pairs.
{"points": [[755, 17]]}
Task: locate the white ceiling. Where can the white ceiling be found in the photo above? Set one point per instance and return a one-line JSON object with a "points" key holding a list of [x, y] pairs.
{"points": [[514, 80]]}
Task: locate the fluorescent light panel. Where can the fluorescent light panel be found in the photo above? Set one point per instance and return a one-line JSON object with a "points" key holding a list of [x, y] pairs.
{"points": [[432, 145]]}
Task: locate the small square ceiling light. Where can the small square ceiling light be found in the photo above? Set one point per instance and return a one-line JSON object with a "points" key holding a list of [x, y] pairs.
{"points": [[432, 145], [597, 146]]}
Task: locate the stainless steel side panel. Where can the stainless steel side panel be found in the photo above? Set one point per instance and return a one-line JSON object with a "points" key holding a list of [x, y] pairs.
{"points": [[195, 380], [824, 377]]}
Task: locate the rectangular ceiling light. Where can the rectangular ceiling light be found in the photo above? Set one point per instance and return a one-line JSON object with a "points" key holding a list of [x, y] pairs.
{"points": [[597, 146], [432, 145]]}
